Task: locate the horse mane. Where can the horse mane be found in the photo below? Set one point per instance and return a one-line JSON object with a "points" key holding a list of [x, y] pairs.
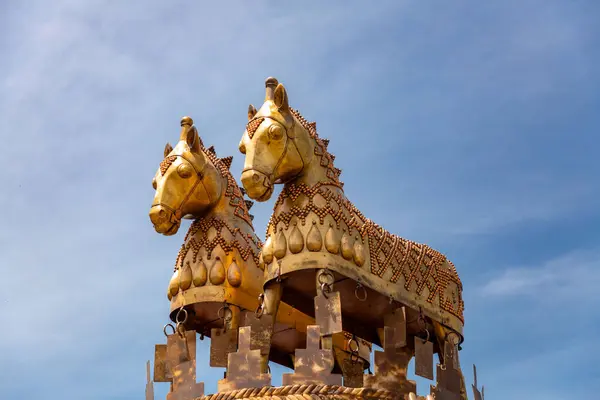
{"points": [[236, 198], [321, 151]]}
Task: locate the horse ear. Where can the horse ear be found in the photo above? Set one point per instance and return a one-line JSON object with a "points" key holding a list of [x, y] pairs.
{"points": [[280, 98], [251, 112], [168, 149], [193, 140]]}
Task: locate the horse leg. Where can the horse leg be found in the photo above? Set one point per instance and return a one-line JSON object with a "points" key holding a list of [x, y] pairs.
{"points": [[273, 293], [272, 299]]}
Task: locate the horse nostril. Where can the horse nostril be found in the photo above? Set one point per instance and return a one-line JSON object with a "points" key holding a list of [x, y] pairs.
{"points": [[162, 213], [255, 178]]}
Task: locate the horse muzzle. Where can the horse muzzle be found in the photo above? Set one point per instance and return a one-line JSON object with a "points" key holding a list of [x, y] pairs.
{"points": [[258, 185], [164, 220]]}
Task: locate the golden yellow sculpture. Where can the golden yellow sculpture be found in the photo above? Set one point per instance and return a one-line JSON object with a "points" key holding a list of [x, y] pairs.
{"points": [[315, 228], [218, 274], [326, 282]]}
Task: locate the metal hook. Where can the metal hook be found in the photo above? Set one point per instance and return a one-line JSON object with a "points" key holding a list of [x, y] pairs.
{"points": [[428, 336], [180, 329], [260, 309], [325, 289], [421, 320]]}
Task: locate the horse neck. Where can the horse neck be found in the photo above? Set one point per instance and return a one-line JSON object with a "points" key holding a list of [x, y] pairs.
{"points": [[230, 218], [312, 174], [231, 207], [319, 170]]}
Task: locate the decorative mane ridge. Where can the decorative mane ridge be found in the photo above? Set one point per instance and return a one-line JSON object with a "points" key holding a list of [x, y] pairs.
{"points": [[327, 158], [232, 191]]}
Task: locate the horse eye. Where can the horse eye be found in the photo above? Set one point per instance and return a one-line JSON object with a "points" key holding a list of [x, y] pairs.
{"points": [[275, 132], [154, 183], [184, 171]]}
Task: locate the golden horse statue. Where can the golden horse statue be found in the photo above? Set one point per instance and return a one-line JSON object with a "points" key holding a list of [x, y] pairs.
{"points": [[314, 227], [218, 267]]}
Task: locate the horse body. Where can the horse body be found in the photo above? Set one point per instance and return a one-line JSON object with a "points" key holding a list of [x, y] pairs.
{"points": [[218, 267], [334, 235], [314, 227]]}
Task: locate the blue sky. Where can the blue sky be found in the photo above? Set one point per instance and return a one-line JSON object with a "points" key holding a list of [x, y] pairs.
{"points": [[471, 126]]}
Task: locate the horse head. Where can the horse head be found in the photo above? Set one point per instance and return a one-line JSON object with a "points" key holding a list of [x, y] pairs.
{"points": [[187, 183], [277, 146]]}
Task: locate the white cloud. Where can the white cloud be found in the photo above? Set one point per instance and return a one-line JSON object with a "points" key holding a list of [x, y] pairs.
{"points": [[572, 277]]}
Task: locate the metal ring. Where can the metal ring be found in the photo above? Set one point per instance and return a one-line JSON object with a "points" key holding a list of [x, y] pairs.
{"points": [[165, 329], [326, 273], [184, 311], [222, 315], [358, 287], [349, 344]]}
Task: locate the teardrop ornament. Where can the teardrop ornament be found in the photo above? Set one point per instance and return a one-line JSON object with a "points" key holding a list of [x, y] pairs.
{"points": [[185, 280], [296, 240], [314, 241], [234, 275], [174, 283], [199, 274], [217, 272], [268, 251], [280, 247], [347, 251], [332, 240], [359, 253]]}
